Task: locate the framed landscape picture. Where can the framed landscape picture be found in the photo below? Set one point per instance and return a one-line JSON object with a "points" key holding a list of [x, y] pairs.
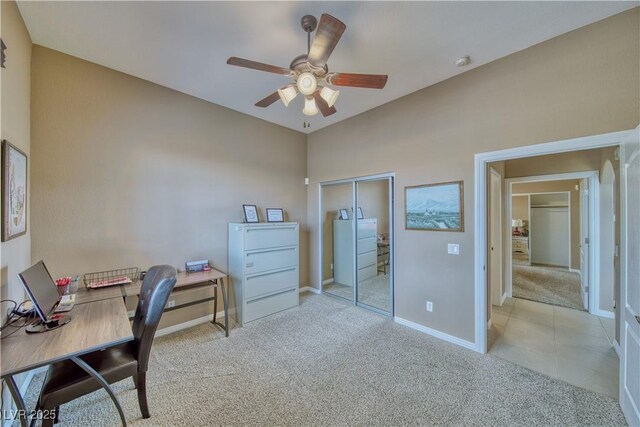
{"points": [[14, 192], [435, 207]]}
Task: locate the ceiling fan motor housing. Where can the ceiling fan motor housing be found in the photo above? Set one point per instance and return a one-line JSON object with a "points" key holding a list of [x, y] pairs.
{"points": [[309, 23]]}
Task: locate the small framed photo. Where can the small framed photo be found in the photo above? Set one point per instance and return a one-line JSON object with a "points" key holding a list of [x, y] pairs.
{"points": [[275, 215], [360, 214], [250, 213], [344, 214], [14, 192]]}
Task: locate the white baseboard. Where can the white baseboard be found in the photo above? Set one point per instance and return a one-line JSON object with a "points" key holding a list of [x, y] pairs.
{"points": [[310, 289], [437, 334], [328, 281], [606, 314], [188, 324], [489, 323], [572, 270]]}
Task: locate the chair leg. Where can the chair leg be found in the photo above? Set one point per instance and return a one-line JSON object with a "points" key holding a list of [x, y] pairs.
{"points": [[141, 385], [56, 418], [47, 422]]}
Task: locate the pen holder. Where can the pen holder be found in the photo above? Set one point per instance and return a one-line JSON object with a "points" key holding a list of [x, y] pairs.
{"points": [[73, 286], [63, 289]]}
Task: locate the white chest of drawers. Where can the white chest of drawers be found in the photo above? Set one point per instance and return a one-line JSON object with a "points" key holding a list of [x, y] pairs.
{"points": [[263, 268], [367, 248]]}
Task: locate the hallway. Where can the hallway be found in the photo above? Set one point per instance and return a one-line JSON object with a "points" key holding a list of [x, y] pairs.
{"points": [[563, 343]]}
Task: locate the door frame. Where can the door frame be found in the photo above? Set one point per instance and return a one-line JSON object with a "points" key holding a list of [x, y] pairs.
{"points": [[353, 181], [480, 202], [500, 254], [529, 209], [594, 224]]}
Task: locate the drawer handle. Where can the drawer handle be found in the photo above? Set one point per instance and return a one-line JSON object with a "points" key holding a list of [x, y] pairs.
{"points": [[269, 296], [264, 251], [271, 272], [270, 229]]}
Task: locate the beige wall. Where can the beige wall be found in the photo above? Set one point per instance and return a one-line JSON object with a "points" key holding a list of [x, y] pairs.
{"points": [[582, 83], [574, 161], [15, 254], [129, 173], [520, 208], [574, 210], [373, 198]]}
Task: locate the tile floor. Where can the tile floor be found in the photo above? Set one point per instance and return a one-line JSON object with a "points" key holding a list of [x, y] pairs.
{"points": [[571, 345]]}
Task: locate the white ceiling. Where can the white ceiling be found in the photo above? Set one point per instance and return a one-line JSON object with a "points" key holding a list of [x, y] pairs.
{"points": [[185, 45]]}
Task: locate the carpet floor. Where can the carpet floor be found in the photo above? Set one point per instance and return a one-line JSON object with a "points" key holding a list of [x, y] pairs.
{"points": [[374, 291], [328, 363], [550, 285]]}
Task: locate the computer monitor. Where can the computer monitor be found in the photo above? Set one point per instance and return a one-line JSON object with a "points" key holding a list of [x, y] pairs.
{"points": [[41, 289]]}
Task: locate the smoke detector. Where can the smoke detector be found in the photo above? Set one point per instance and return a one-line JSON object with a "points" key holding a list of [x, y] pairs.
{"points": [[463, 60]]}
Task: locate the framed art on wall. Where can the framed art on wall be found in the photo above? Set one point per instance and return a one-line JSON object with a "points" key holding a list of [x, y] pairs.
{"points": [[435, 207], [250, 213], [275, 215], [14, 191], [344, 214]]}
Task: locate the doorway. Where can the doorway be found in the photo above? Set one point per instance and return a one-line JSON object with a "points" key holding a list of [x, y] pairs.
{"points": [[356, 219], [564, 209]]}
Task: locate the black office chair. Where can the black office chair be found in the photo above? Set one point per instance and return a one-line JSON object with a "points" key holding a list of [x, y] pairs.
{"points": [[66, 381]]}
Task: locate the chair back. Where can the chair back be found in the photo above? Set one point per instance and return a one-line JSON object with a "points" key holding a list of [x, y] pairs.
{"points": [[156, 287]]}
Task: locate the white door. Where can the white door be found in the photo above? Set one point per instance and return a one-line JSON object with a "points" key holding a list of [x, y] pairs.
{"points": [[630, 289], [495, 239], [584, 238], [550, 236]]}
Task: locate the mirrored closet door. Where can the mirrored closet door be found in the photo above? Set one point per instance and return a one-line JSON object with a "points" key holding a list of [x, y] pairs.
{"points": [[337, 240], [357, 241], [374, 243]]}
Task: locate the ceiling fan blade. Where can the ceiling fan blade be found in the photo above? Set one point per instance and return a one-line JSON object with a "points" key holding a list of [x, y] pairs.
{"points": [[329, 31], [258, 66], [265, 102], [322, 105], [369, 81]]}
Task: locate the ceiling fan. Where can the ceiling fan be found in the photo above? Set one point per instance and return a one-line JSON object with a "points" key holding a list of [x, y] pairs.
{"points": [[310, 72]]}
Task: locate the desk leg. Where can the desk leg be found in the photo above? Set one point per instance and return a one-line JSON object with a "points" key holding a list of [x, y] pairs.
{"points": [[215, 301], [17, 399], [89, 370], [225, 303]]}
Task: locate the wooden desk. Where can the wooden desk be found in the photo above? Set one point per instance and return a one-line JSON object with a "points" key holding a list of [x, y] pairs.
{"points": [[93, 326], [212, 277], [85, 295]]}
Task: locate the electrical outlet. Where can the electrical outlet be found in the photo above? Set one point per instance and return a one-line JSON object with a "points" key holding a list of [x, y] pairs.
{"points": [[131, 313], [332, 266], [429, 306], [453, 248], [171, 304]]}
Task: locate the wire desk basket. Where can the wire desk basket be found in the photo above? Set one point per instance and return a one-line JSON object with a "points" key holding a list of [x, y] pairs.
{"points": [[111, 277]]}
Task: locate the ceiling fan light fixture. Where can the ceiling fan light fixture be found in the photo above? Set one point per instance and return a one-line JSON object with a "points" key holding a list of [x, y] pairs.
{"points": [[329, 95], [287, 94], [307, 83], [310, 107]]}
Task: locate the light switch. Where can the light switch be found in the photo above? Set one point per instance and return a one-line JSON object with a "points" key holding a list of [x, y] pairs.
{"points": [[454, 248]]}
